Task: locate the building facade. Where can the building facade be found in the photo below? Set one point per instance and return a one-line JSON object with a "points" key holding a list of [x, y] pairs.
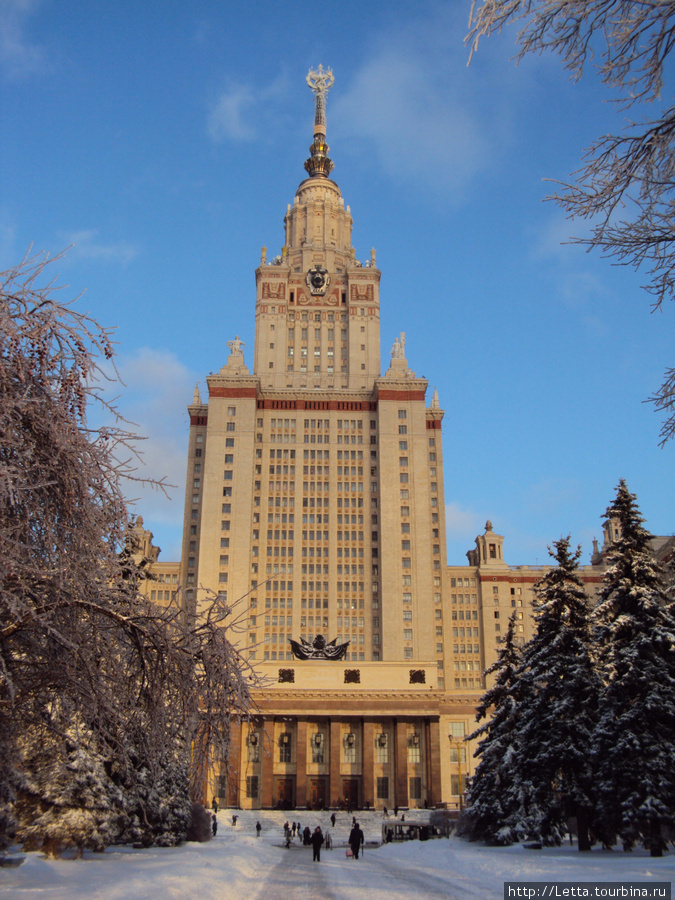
{"points": [[315, 506]]}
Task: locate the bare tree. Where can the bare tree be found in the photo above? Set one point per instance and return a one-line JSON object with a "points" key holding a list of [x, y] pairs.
{"points": [[626, 184], [78, 643]]}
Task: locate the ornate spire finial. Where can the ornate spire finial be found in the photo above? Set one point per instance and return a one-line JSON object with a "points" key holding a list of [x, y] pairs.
{"points": [[320, 82]]}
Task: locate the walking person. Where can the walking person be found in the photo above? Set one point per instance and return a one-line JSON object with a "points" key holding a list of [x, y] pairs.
{"points": [[214, 824], [258, 829], [356, 839], [317, 841], [332, 820]]}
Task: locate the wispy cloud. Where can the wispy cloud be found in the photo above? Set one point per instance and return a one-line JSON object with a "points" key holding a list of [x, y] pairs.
{"points": [[19, 56], [416, 111], [462, 523], [156, 390], [86, 245], [242, 112]]}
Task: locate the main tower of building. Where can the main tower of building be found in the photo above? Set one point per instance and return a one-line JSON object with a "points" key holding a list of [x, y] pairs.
{"points": [[315, 493]]}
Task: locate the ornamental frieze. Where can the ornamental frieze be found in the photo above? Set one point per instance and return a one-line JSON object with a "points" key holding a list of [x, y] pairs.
{"points": [[273, 291], [361, 293], [330, 299]]}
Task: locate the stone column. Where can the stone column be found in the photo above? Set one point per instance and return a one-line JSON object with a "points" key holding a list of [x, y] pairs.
{"points": [[301, 764], [434, 762], [400, 763], [368, 764], [335, 786], [235, 763], [267, 752]]}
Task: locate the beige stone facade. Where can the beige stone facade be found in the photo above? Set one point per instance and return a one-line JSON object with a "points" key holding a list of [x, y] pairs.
{"points": [[315, 505], [162, 585]]}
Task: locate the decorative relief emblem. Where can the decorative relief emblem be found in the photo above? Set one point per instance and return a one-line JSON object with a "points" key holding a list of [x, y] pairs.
{"points": [[273, 291], [317, 280], [360, 293], [318, 649], [303, 299]]}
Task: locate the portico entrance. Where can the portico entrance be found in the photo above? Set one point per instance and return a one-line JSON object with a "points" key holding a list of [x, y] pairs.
{"points": [[350, 792], [317, 793]]}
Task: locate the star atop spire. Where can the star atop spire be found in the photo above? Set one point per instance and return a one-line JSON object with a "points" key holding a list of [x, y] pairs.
{"points": [[320, 82]]}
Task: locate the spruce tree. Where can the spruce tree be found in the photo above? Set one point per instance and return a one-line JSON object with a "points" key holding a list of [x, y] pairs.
{"points": [[558, 691], [634, 741], [491, 799]]}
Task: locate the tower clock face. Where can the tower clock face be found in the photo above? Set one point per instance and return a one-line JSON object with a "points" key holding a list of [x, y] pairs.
{"points": [[318, 280]]}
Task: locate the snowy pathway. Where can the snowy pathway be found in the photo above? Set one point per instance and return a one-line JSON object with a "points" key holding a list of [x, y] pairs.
{"points": [[377, 873], [238, 864]]}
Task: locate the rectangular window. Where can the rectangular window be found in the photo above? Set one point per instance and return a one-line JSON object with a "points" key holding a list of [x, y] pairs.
{"points": [[253, 747], [381, 748], [382, 788], [317, 748], [252, 787], [414, 747], [221, 786], [349, 748], [415, 789], [285, 747]]}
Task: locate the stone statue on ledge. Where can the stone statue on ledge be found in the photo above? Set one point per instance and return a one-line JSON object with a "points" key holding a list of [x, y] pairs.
{"points": [[318, 649]]}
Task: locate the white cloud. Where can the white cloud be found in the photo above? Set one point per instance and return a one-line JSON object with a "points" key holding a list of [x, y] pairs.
{"points": [[86, 246], [243, 112], [154, 396], [229, 119], [418, 114], [462, 523], [19, 57], [418, 133]]}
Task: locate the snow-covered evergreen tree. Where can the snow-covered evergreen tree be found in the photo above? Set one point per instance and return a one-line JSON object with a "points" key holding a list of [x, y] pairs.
{"points": [[491, 797], [634, 741], [67, 799], [558, 690]]}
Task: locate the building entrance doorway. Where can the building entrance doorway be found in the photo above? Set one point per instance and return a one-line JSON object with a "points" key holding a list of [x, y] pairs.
{"points": [[350, 792], [317, 793], [285, 793]]}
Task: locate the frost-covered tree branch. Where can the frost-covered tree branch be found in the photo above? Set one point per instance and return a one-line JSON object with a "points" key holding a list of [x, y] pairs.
{"points": [[626, 185], [102, 694]]}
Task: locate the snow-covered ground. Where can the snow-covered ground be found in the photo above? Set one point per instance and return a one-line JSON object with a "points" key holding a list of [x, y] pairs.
{"points": [[237, 864]]}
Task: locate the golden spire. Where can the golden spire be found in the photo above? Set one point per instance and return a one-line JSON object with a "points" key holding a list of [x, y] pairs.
{"points": [[320, 82]]}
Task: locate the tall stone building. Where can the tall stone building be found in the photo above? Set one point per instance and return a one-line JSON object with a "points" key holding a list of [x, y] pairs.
{"points": [[315, 505], [315, 493]]}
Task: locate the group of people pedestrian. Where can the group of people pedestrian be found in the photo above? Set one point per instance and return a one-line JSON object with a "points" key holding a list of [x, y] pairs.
{"points": [[316, 839]]}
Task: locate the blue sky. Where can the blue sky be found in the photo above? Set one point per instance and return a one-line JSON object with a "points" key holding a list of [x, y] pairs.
{"points": [[164, 139]]}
